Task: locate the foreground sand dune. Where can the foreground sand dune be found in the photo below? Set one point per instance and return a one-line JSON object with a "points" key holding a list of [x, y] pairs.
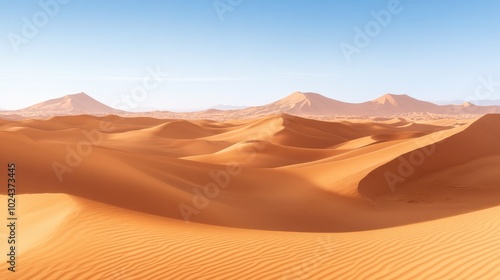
{"points": [[97, 241], [278, 197]]}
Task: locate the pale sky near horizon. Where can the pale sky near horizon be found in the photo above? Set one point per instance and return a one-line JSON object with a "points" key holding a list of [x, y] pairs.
{"points": [[253, 53]]}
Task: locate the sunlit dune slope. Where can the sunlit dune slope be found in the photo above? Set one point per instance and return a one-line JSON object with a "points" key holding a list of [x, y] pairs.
{"points": [[89, 240]]}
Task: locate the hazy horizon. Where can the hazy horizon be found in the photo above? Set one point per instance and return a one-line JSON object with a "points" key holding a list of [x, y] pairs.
{"points": [[223, 106]]}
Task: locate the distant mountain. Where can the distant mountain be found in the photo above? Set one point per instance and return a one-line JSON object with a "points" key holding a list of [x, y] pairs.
{"points": [[73, 104], [305, 104], [312, 104], [401, 103], [392, 104]]}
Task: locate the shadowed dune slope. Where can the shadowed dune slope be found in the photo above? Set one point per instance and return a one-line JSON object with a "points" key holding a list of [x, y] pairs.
{"points": [[477, 141]]}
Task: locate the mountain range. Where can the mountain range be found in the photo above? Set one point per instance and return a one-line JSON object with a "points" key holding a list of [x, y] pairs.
{"points": [[304, 104]]}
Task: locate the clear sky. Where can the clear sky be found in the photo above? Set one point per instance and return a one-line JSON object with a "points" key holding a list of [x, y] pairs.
{"points": [[245, 52]]}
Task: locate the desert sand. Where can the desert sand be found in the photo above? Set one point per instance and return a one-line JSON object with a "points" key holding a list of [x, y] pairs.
{"points": [[273, 197], [89, 240]]}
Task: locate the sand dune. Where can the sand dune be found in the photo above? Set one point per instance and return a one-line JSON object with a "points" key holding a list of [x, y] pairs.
{"points": [[257, 153], [304, 163], [96, 241], [272, 197]]}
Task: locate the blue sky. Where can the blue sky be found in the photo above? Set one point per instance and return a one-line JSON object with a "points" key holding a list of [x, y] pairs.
{"points": [[253, 53]]}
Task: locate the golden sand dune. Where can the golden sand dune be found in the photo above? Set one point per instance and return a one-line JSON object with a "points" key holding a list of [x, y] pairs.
{"points": [[89, 240], [385, 195], [258, 153]]}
